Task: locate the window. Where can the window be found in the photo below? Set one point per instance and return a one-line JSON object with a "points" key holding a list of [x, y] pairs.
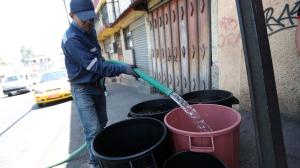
{"points": [[104, 15], [11, 78], [51, 76], [128, 39]]}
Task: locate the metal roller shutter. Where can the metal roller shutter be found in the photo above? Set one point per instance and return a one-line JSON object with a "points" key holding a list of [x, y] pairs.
{"points": [[139, 39]]}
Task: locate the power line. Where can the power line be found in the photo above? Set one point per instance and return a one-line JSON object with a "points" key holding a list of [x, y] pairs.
{"points": [[67, 14]]}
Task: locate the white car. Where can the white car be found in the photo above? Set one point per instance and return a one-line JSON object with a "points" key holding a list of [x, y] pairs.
{"points": [[15, 84]]}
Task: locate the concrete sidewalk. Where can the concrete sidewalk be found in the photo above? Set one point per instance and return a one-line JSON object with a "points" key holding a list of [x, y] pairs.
{"points": [[121, 98]]}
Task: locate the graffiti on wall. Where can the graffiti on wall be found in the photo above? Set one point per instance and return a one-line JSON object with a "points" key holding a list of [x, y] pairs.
{"points": [[275, 22], [230, 34], [283, 20]]}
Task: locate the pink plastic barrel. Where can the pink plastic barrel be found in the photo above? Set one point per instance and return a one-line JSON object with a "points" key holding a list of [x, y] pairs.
{"points": [[222, 142]]}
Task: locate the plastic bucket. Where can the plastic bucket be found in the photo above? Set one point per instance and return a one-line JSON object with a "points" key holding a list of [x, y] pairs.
{"points": [[193, 160], [221, 97], [222, 142], [156, 108], [132, 143]]}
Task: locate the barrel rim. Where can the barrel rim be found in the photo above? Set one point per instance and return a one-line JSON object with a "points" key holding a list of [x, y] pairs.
{"points": [[182, 152], [137, 114], [230, 95], [137, 155], [206, 134]]}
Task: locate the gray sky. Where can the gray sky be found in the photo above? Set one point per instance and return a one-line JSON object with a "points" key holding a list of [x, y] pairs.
{"points": [[36, 24]]}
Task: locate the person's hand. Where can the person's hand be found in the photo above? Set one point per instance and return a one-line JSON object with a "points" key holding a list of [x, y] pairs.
{"points": [[129, 70]]}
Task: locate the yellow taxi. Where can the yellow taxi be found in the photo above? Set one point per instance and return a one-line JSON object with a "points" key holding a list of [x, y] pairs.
{"points": [[53, 86]]}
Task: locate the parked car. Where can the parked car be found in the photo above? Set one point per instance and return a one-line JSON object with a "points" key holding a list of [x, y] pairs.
{"points": [[15, 84], [53, 86], [1, 91]]}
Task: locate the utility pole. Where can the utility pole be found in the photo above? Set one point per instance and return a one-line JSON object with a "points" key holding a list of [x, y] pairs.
{"points": [[264, 100], [67, 14]]}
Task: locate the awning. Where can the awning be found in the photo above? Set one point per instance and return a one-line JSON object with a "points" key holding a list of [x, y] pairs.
{"points": [[126, 18]]}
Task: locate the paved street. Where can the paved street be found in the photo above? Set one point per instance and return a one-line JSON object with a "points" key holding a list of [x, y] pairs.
{"points": [[28, 142], [13, 108]]}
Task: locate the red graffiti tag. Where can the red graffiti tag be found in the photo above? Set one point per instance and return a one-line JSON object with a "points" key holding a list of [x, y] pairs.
{"points": [[230, 34]]}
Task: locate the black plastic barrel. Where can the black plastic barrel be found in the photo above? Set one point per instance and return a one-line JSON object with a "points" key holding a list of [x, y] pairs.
{"points": [[193, 160], [156, 108], [221, 97], [132, 143]]}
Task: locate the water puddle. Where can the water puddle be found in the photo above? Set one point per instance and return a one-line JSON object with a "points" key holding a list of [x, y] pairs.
{"points": [[192, 113]]}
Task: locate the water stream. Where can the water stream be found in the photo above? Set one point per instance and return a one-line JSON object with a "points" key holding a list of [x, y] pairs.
{"points": [[192, 113]]}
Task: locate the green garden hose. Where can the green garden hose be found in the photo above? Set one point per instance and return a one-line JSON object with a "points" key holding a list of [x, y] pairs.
{"points": [[71, 156], [156, 84]]}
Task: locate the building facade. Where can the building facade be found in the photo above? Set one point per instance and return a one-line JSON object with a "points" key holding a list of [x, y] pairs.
{"points": [[193, 45]]}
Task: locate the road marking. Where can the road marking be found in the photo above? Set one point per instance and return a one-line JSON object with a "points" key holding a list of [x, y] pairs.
{"points": [[15, 122]]}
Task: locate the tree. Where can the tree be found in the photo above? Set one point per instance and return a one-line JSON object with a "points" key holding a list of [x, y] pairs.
{"points": [[26, 54], [2, 62]]}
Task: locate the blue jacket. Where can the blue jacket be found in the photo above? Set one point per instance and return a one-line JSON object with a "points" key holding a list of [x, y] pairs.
{"points": [[83, 58]]}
